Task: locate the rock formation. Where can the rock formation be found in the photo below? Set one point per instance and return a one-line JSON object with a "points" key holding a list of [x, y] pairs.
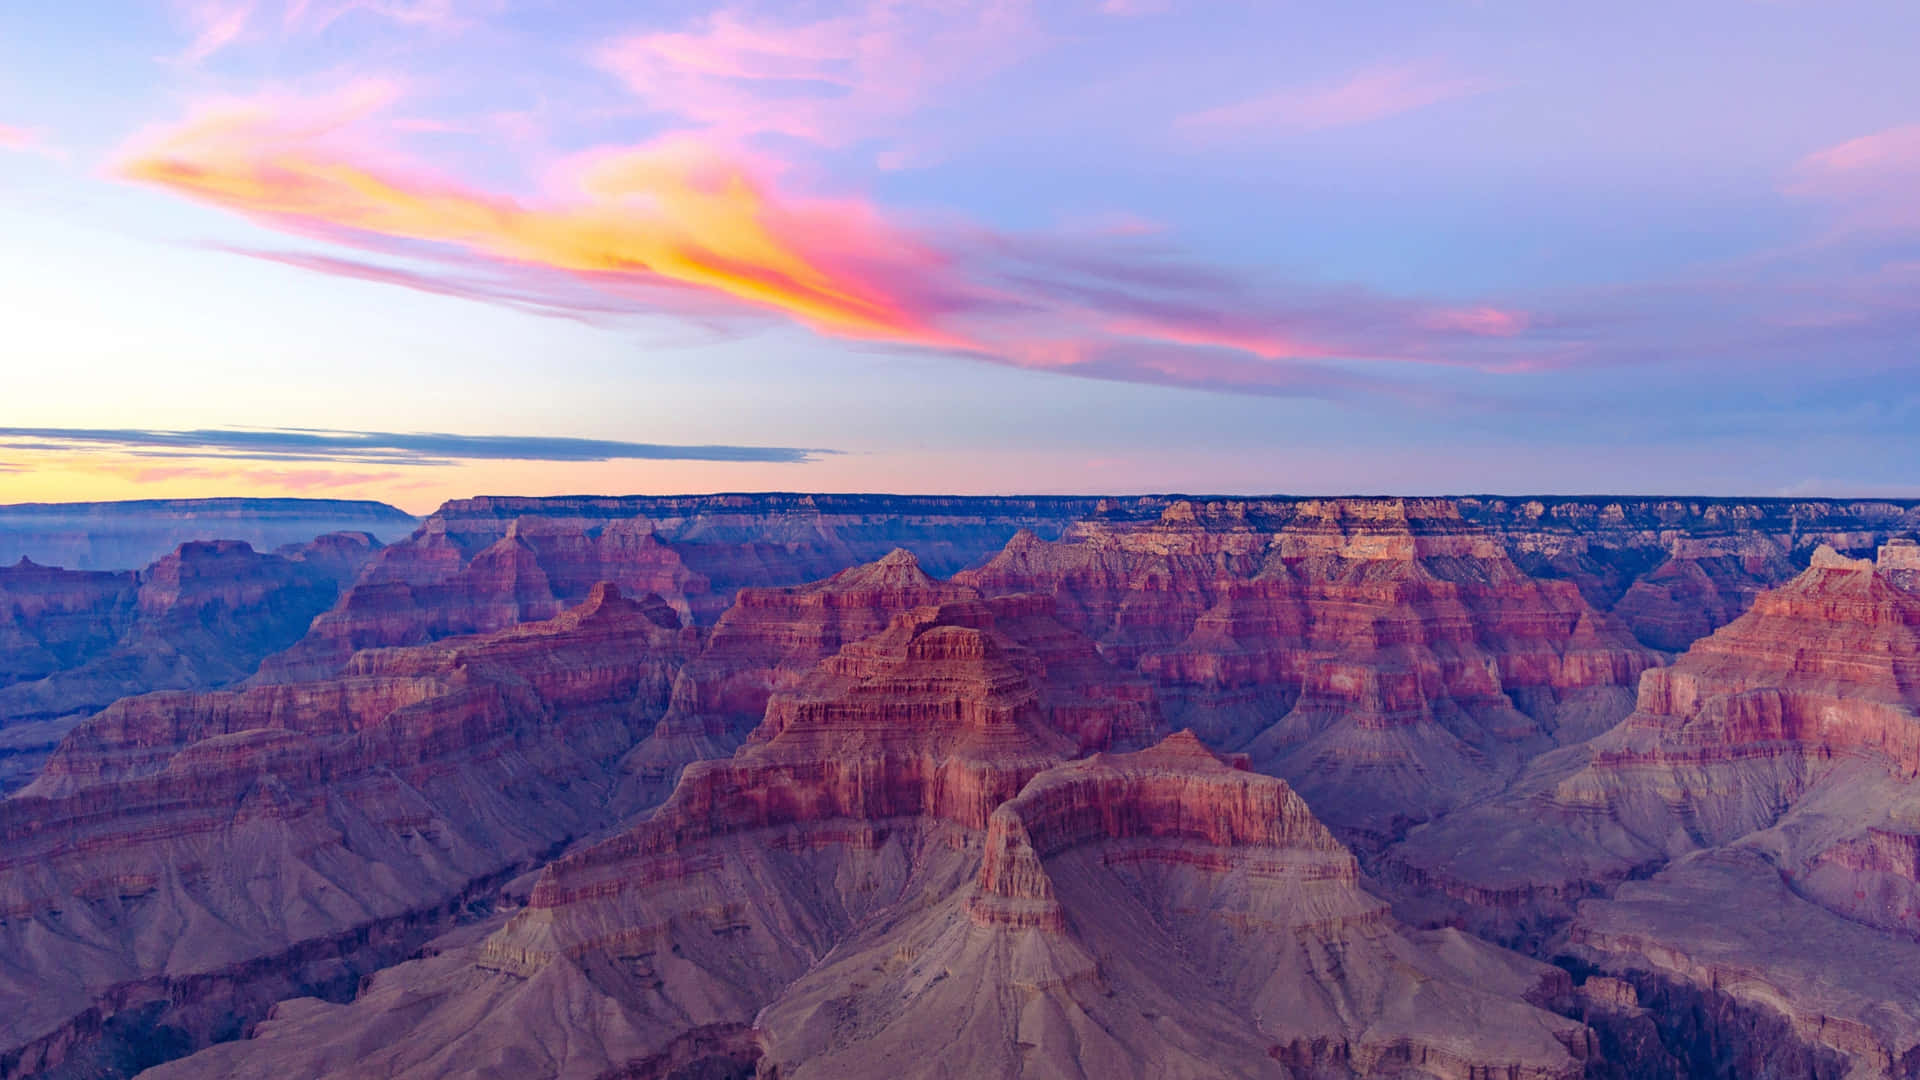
{"points": [[182, 839], [1382, 654], [1748, 834], [479, 565], [767, 641], [902, 874], [74, 641], [820, 806]]}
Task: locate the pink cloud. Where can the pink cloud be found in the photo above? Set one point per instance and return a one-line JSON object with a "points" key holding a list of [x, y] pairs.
{"points": [[1872, 180], [1485, 321], [217, 24], [830, 80], [701, 228], [28, 141], [1370, 95]]}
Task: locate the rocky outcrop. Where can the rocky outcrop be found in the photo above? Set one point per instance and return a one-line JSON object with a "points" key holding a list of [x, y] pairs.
{"points": [[1703, 585], [768, 641], [1607, 544], [1382, 654], [478, 565], [177, 834], [74, 641], [1758, 812], [904, 872], [126, 535]]}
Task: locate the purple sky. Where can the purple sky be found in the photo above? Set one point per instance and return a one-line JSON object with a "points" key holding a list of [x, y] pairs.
{"points": [[415, 249]]}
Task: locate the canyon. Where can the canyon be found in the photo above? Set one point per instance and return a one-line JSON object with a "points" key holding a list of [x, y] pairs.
{"points": [[849, 785]]}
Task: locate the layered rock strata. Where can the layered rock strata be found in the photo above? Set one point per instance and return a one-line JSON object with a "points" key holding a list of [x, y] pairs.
{"points": [[1383, 655], [904, 873], [73, 641], [479, 565], [768, 641], [177, 834], [1778, 760]]}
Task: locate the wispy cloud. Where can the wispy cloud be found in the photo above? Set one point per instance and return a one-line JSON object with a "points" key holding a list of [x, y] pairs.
{"points": [[832, 80], [217, 24], [690, 225], [675, 209], [1873, 181], [1366, 96], [28, 141], [378, 447]]}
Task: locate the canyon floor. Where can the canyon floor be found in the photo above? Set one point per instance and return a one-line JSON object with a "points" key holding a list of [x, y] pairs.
{"points": [[917, 787]]}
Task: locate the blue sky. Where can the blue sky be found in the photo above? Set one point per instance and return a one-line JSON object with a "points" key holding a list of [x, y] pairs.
{"points": [[1110, 245]]}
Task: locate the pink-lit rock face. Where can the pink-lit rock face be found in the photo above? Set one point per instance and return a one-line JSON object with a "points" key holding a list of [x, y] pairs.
{"points": [[178, 835], [479, 565], [768, 641], [1382, 654]]}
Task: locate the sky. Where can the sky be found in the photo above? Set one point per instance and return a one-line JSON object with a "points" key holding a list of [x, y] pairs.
{"points": [[415, 250]]}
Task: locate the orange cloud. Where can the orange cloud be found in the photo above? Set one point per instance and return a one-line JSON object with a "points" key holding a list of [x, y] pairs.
{"points": [[676, 209], [698, 227]]}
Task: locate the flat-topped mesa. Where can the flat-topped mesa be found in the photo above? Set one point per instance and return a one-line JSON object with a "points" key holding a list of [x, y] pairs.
{"points": [[1385, 529], [382, 792], [1176, 801]]}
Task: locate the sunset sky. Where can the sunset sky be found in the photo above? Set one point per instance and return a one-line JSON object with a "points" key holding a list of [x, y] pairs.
{"points": [[421, 249]]}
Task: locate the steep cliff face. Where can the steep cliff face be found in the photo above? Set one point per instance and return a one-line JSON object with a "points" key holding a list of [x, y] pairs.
{"points": [[900, 837], [178, 834], [930, 892], [1778, 759], [1382, 654], [478, 565], [1703, 585], [768, 641], [72, 642]]}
